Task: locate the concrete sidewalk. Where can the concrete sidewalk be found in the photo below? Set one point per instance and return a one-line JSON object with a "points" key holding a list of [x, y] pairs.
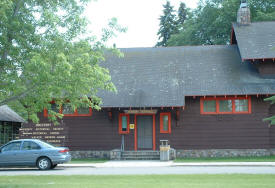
{"points": [[126, 164]]}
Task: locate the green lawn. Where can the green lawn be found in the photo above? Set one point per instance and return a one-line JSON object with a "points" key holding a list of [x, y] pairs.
{"points": [[77, 161], [232, 159], [148, 181]]}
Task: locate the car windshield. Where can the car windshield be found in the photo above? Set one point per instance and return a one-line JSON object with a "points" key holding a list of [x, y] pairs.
{"points": [[44, 144]]}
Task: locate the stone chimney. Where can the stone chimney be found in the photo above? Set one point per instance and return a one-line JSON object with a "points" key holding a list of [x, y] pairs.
{"points": [[243, 16]]}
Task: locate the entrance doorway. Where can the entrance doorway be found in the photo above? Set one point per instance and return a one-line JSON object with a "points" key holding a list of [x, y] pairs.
{"points": [[145, 132]]}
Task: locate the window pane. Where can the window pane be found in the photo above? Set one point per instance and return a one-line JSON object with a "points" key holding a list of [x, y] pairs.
{"points": [[83, 110], [54, 107], [165, 122], [241, 105], [124, 123], [30, 146], [12, 147], [209, 106], [225, 105], [67, 109]]}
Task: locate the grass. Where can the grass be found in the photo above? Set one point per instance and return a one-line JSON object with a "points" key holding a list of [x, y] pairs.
{"points": [[78, 161], [148, 181], [229, 159]]}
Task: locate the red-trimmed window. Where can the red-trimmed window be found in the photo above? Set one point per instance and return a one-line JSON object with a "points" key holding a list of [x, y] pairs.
{"points": [[123, 123], [66, 110], [165, 122], [225, 105]]}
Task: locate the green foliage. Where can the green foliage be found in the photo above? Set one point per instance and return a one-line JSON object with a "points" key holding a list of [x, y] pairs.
{"points": [[168, 25], [272, 99], [43, 57], [182, 15], [271, 119], [211, 22]]}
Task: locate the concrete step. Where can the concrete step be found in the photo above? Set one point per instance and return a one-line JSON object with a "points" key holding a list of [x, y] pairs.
{"points": [[145, 152], [140, 158], [140, 155]]}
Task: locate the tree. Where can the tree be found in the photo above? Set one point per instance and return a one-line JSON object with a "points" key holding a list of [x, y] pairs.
{"points": [[272, 118], [182, 15], [168, 25], [211, 22], [44, 57]]}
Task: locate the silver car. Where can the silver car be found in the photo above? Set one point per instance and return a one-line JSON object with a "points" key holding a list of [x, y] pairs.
{"points": [[32, 152]]}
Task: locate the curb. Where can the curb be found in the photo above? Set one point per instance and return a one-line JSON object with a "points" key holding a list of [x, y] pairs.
{"points": [[171, 164], [77, 165]]}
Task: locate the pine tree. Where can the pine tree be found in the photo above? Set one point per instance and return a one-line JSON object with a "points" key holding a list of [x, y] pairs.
{"points": [[168, 24], [211, 22], [182, 15]]}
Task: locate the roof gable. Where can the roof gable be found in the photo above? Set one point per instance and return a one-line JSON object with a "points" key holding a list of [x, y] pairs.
{"points": [[256, 40]]}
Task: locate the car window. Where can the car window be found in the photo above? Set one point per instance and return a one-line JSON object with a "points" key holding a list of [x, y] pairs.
{"points": [[12, 146], [44, 144], [28, 145]]}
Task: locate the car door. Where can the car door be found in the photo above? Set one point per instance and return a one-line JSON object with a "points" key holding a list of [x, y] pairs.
{"points": [[9, 154], [29, 152]]}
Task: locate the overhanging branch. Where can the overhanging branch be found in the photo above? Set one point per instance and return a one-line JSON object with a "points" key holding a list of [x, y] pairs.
{"points": [[16, 97]]}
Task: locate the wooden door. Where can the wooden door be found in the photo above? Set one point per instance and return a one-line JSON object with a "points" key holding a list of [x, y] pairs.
{"points": [[145, 132]]}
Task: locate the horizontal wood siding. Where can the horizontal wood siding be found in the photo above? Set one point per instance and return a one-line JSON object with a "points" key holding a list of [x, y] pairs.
{"points": [[95, 132], [227, 131], [266, 68], [192, 131]]}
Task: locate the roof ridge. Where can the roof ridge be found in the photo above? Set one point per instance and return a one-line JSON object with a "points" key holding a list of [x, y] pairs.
{"points": [[166, 47], [273, 21]]}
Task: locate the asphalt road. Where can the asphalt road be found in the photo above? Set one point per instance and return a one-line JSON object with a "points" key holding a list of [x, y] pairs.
{"points": [[139, 170]]}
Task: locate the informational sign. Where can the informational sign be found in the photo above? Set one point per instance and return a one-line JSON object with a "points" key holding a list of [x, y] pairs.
{"points": [[54, 134], [141, 111], [132, 126]]}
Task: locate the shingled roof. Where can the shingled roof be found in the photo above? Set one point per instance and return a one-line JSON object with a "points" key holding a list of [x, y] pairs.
{"points": [[256, 40], [7, 114], [156, 77]]}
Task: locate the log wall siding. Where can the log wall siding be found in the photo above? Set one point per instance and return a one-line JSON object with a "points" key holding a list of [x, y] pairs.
{"points": [[266, 68], [191, 131]]}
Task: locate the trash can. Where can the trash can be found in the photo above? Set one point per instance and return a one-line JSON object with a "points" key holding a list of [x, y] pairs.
{"points": [[164, 150]]}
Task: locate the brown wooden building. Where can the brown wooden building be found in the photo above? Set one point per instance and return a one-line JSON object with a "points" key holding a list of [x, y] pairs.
{"points": [[206, 100]]}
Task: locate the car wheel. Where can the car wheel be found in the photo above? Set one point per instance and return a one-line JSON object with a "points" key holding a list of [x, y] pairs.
{"points": [[44, 163], [53, 166]]}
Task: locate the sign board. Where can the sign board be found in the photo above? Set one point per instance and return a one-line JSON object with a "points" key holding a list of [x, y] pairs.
{"points": [[141, 111], [48, 132], [132, 126]]}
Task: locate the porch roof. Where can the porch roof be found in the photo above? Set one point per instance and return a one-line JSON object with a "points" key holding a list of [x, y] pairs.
{"points": [[7, 114]]}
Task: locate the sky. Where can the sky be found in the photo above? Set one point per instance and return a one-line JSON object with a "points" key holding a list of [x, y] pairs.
{"points": [[140, 17]]}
